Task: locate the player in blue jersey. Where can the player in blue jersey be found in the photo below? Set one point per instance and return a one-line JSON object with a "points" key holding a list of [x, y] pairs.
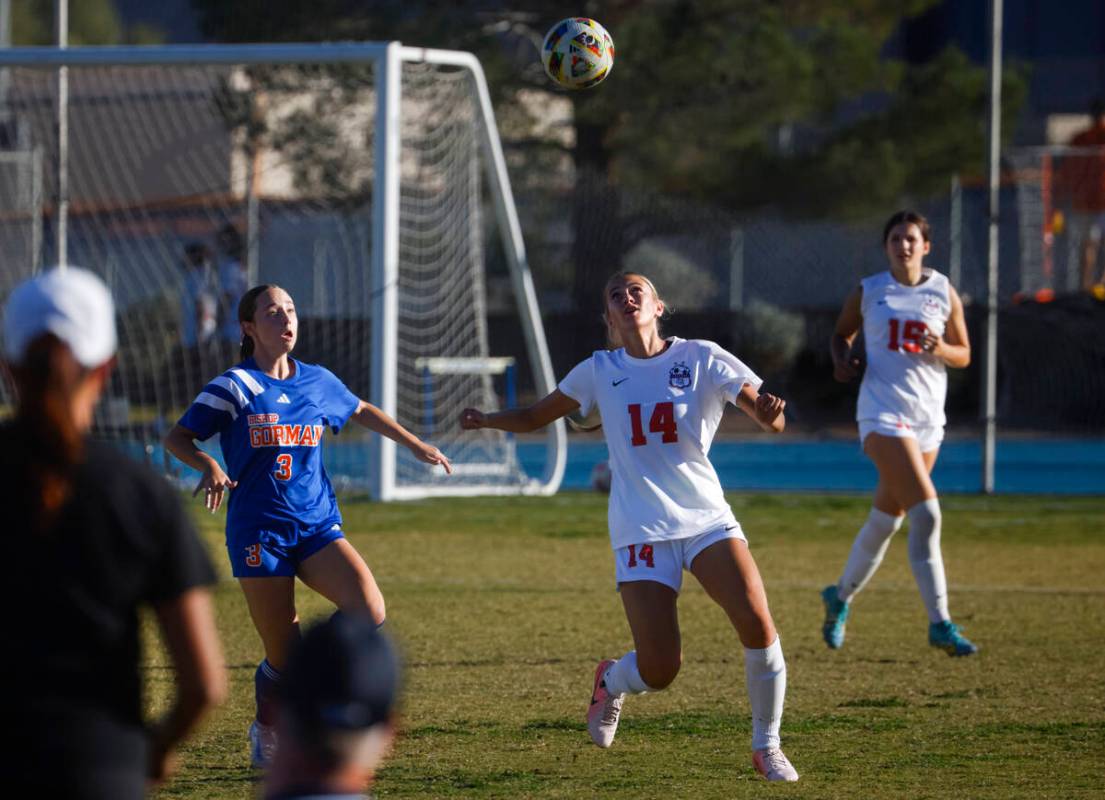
{"points": [[282, 521]]}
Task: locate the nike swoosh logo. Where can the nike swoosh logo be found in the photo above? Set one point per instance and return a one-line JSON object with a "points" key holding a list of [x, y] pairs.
{"points": [[617, 382]]}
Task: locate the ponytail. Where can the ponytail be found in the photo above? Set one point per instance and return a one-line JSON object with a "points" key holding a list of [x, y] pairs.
{"points": [[46, 436]]}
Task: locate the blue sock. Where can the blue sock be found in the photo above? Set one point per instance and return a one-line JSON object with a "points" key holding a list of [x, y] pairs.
{"points": [[266, 682]]}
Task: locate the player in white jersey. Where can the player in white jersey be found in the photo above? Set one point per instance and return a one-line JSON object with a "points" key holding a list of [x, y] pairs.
{"points": [[661, 401], [913, 329]]}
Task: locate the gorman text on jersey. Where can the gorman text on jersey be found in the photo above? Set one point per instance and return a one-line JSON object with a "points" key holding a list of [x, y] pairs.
{"points": [[266, 431]]}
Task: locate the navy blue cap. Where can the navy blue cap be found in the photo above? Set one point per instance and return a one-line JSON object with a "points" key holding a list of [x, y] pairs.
{"points": [[343, 674]]}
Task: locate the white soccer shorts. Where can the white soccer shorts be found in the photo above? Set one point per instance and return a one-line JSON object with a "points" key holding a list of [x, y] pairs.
{"points": [[664, 561]]}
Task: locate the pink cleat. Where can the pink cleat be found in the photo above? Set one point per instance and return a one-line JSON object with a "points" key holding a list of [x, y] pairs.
{"points": [[774, 765], [602, 716]]}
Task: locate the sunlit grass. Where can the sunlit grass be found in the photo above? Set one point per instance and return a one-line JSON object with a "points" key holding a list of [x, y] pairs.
{"points": [[503, 606]]}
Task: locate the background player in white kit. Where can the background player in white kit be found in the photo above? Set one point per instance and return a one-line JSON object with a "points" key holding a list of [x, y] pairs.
{"points": [[661, 401], [913, 327]]}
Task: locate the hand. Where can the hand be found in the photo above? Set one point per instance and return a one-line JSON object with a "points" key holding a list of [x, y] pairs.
{"points": [[214, 485], [428, 454], [768, 409], [932, 343], [162, 762], [472, 419], [847, 370]]}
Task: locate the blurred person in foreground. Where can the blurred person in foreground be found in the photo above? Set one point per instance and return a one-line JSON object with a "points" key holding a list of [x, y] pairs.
{"points": [[335, 714], [914, 330], [94, 537]]}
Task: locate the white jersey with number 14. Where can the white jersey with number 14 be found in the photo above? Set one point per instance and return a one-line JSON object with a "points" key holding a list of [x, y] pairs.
{"points": [[903, 384], [659, 416]]}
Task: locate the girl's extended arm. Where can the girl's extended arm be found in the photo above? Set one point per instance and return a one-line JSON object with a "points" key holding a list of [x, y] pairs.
{"points": [[765, 409], [521, 420], [188, 625], [181, 442], [373, 418]]}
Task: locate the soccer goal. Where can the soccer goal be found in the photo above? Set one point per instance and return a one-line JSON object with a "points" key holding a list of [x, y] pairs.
{"points": [[366, 179]]}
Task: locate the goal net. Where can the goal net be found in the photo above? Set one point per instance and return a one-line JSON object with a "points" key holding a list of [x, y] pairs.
{"points": [[367, 180], [1058, 200]]}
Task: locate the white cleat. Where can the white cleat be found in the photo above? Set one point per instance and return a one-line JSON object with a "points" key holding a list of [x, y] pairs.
{"points": [[774, 765], [602, 716], [262, 744]]}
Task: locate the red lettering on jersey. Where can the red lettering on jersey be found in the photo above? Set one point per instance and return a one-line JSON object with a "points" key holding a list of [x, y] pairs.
{"points": [[638, 437], [662, 421], [285, 435], [912, 335]]}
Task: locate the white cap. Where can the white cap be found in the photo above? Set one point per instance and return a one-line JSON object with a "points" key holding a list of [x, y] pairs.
{"points": [[72, 304]]}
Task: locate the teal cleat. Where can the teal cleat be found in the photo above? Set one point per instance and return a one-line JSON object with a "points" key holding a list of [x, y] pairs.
{"points": [[836, 615], [947, 637]]}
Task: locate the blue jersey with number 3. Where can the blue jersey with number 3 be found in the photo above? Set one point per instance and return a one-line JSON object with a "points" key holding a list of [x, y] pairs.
{"points": [[271, 432]]}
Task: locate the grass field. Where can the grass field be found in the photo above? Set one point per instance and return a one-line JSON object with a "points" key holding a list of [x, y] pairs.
{"points": [[503, 607]]}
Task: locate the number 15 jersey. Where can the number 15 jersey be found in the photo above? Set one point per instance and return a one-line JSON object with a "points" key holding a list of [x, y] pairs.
{"points": [[902, 383], [659, 416]]}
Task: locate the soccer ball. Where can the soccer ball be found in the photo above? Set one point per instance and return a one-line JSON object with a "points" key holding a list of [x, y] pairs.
{"points": [[577, 53], [600, 477]]}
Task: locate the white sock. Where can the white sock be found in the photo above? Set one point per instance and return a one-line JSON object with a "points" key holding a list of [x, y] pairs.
{"points": [[867, 552], [623, 677], [926, 560], [766, 674]]}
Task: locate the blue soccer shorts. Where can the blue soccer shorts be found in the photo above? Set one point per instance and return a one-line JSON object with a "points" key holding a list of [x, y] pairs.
{"points": [[278, 550]]}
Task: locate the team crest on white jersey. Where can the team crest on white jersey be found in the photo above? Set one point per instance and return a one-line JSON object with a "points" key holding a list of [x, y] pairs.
{"points": [[930, 307], [680, 376]]}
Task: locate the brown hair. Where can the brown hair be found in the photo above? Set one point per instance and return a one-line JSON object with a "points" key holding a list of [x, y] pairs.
{"points": [[46, 378], [612, 342], [247, 307], [907, 218]]}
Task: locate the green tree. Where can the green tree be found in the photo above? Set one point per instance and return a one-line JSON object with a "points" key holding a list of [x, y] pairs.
{"points": [[90, 22], [744, 104]]}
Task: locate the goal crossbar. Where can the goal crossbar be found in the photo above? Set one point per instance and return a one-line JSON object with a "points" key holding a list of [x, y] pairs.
{"points": [[387, 60]]}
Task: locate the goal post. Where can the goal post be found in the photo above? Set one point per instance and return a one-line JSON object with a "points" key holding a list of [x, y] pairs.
{"points": [[366, 178]]}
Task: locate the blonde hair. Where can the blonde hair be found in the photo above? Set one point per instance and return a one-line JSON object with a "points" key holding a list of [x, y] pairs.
{"points": [[612, 340]]}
